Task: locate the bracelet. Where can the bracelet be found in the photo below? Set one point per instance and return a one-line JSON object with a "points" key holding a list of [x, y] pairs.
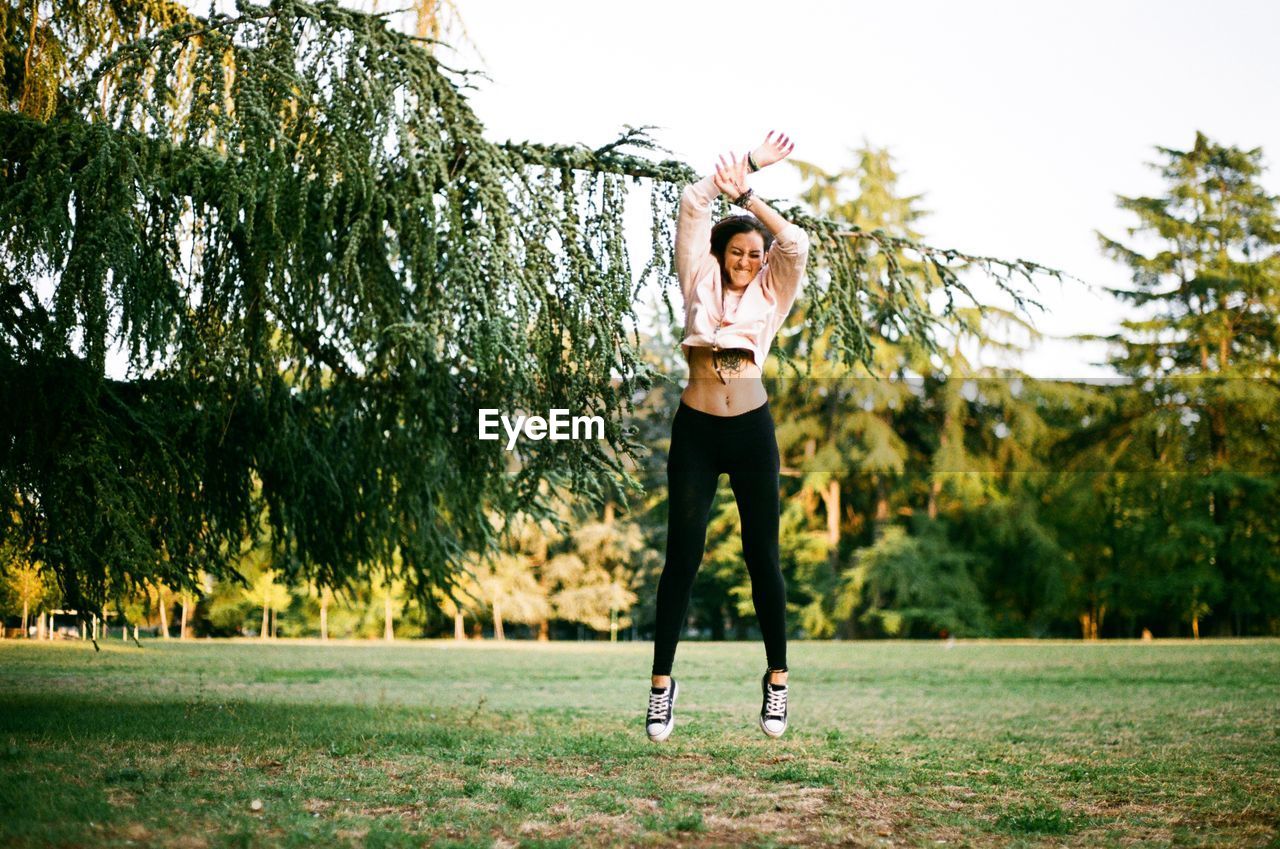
{"points": [[751, 163], [745, 198]]}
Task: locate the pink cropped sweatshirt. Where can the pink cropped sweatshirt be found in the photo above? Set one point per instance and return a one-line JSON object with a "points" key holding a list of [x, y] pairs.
{"points": [[754, 321]]}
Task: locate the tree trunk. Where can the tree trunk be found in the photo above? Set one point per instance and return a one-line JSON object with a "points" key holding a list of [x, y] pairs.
{"points": [[26, 616], [164, 618], [497, 622], [1220, 513], [388, 623], [324, 617], [882, 508], [935, 485], [428, 17], [715, 623], [544, 631], [266, 612], [1091, 620], [809, 498], [40, 626], [831, 500], [186, 605], [459, 631]]}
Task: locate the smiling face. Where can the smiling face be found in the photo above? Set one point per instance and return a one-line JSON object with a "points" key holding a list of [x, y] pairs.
{"points": [[743, 257]]}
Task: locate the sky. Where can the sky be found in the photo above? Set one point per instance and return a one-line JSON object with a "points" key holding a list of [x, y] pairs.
{"points": [[1019, 122]]}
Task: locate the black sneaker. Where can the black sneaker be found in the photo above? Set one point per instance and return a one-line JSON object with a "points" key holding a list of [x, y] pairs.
{"points": [[773, 713], [662, 712]]}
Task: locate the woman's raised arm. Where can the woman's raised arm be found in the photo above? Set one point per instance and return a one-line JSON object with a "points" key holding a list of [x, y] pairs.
{"points": [[693, 229], [731, 179], [784, 272]]}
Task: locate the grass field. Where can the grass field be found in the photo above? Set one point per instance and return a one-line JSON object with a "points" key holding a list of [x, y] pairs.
{"points": [[205, 744]]}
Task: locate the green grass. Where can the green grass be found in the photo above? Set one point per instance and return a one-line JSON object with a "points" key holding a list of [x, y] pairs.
{"points": [[528, 745]]}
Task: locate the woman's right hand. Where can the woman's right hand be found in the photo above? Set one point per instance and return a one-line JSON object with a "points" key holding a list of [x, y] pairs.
{"points": [[731, 176], [772, 149]]}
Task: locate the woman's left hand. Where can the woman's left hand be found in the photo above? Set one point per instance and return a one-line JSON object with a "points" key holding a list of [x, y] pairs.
{"points": [[772, 149], [731, 176]]}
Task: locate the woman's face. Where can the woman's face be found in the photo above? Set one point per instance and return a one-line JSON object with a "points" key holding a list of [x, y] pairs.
{"points": [[742, 259]]}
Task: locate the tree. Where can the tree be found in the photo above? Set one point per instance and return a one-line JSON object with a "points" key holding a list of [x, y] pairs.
{"points": [[912, 585], [392, 592], [318, 269], [271, 596], [1203, 355], [508, 586], [910, 426], [593, 581], [188, 602], [456, 609], [25, 587], [323, 597], [839, 433], [163, 601]]}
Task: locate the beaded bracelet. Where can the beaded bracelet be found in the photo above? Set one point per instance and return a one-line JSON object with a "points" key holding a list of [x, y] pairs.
{"points": [[751, 163], [745, 198]]}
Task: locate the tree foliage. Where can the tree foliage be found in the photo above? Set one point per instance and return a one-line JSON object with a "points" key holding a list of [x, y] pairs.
{"points": [[288, 227], [1193, 436]]}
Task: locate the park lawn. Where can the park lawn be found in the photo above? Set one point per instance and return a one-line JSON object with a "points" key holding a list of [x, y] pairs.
{"points": [[524, 744]]}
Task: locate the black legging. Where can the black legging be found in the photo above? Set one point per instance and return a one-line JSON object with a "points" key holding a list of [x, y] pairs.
{"points": [[702, 447]]}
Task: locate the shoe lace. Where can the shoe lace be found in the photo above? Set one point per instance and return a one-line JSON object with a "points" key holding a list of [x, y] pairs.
{"points": [[775, 703], [659, 705]]}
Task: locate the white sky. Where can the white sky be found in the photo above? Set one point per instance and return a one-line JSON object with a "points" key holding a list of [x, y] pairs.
{"points": [[1019, 121]]}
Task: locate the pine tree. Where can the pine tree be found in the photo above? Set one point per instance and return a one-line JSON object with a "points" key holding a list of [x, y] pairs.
{"points": [[1203, 357]]}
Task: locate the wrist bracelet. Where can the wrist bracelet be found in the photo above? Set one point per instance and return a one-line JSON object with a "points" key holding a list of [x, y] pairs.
{"points": [[751, 163], [745, 198]]}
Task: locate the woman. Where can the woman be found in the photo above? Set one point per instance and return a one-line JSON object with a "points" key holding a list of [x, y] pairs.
{"points": [[739, 280]]}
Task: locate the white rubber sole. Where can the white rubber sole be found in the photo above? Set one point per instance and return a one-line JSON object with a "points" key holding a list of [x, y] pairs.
{"points": [[769, 733], [666, 732]]}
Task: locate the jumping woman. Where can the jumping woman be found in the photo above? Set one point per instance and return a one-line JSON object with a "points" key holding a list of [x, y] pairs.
{"points": [[739, 280]]}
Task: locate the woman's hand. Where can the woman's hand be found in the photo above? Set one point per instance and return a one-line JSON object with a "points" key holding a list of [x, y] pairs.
{"points": [[731, 176], [772, 149]]}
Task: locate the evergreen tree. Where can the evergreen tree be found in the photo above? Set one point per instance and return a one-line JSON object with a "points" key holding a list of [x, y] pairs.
{"points": [[839, 431], [1203, 358]]}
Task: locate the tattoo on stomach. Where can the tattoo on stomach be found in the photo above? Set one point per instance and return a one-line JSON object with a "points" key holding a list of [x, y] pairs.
{"points": [[731, 362]]}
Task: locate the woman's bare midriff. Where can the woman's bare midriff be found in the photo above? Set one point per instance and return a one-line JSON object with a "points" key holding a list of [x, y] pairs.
{"points": [[723, 382]]}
